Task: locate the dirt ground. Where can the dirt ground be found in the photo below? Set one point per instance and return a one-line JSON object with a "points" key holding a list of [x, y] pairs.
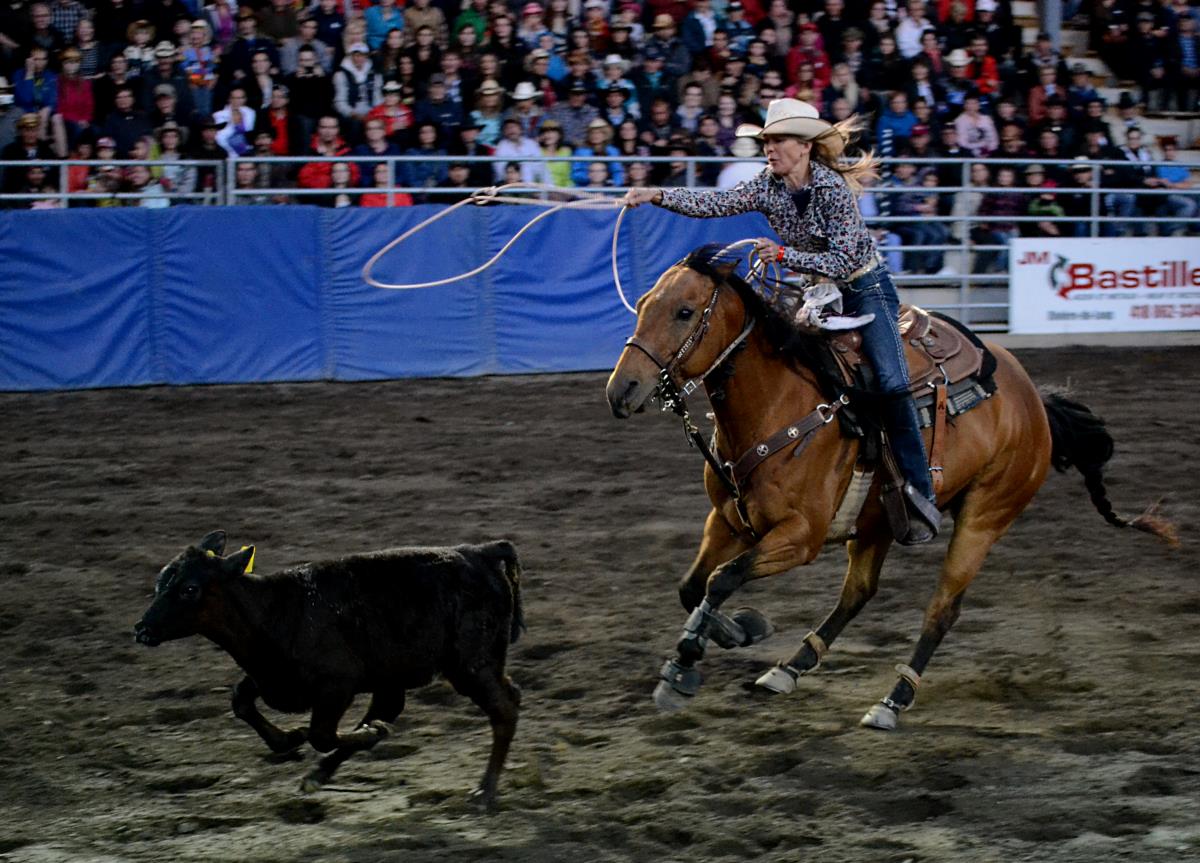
{"points": [[1056, 723]]}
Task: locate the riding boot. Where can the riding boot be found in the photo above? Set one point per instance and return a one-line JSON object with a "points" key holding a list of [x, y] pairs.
{"points": [[904, 436]]}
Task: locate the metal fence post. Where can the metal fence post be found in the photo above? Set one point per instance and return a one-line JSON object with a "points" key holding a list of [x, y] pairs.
{"points": [[1095, 200], [964, 283]]}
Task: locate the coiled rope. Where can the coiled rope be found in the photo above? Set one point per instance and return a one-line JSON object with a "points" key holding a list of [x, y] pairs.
{"points": [[759, 269]]}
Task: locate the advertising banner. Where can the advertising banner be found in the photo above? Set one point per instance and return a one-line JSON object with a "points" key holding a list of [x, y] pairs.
{"points": [[1104, 285]]}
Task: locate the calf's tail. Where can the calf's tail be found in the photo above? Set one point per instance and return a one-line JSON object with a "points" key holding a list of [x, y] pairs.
{"points": [[1080, 438], [504, 552]]}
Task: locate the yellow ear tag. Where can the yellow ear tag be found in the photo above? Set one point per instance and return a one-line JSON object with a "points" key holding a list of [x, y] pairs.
{"points": [[250, 565], [210, 553]]}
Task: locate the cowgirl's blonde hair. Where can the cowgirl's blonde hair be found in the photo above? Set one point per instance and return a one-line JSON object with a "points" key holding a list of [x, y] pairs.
{"points": [[828, 147]]}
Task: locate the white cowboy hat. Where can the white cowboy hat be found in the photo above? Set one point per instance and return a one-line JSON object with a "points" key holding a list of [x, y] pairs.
{"points": [[743, 148], [787, 117], [525, 90]]}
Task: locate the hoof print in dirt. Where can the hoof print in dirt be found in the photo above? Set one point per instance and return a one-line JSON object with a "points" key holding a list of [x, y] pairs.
{"points": [[301, 812]]}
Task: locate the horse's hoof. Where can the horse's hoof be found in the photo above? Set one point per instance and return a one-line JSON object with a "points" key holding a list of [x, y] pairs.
{"points": [[312, 783], [754, 624], [779, 679], [668, 699], [880, 717]]}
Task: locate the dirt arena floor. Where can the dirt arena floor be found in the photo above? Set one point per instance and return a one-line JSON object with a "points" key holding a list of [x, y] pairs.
{"points": [[1057, 723]]}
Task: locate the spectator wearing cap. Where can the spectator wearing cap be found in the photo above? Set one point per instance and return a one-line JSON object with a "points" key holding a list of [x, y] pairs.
{"points": [[236, 60], [976, 130], [613, 74], [27, 147], [598, 142], [676, 58], [616, 110], [959, 85], [532, 26], [574, 115], [736, 24], [515, 146], [652, 80], [396, 116], [1003, 38], [166, 109], [538, 67], [436, 108], [166, 70], [423, 13], [1176, 178], [357, 88], [595, 22], [909, 30]]}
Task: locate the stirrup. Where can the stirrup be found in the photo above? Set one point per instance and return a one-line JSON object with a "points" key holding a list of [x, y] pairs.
{"points": [[924, 527]]}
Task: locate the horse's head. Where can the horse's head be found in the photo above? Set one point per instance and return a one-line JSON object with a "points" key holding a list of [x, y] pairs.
{"points": [[685, 322]]}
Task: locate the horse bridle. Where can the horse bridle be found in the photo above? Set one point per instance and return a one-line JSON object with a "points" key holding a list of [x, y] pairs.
{"points": [[674, 397]]}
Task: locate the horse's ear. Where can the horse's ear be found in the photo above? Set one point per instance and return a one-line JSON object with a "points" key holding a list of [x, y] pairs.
{"points": [[725, 269]]}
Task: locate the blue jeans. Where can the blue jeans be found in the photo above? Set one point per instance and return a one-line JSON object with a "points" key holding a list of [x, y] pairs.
{"points": [[881, 342]]}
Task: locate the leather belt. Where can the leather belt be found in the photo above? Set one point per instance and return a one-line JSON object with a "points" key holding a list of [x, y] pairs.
{"points": [[858, 274]]}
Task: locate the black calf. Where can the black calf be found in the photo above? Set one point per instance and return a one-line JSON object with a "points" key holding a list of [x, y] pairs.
{"points": [[312, 637]]}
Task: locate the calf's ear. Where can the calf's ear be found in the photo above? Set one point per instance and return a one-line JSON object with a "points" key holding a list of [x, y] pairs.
{"points": [[214, 542], [240, 562]]}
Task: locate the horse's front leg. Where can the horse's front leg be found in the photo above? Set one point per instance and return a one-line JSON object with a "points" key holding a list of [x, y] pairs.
{"points": [[785, 546]]}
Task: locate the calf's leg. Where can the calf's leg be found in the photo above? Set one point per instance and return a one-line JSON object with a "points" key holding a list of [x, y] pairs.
{"points": [[384, 707], [500, 699], [324, 736], [245, 694]]}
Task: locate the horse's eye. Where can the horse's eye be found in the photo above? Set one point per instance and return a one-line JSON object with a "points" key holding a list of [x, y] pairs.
{"points": [[684, 313]]}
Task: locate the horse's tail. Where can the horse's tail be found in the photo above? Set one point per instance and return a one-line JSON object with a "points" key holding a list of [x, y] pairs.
{"points": [[1080, 438]]}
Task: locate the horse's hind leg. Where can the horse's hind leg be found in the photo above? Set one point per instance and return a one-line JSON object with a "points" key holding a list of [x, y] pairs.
{"points": [[861, 581], [384, 707], [968, 549]]}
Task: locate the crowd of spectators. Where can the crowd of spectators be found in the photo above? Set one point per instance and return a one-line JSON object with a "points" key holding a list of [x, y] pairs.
{"points": [[121, 81]]}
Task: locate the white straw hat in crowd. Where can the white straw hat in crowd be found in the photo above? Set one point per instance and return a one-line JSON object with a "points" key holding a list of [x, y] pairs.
{"points": [[958, 57], [787, 117], [525, 91], [744, 148]]}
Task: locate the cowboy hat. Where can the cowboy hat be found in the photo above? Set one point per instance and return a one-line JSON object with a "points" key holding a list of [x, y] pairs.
{"points": [[525, 91], [743, 148], [787, 117], [958, 58]]}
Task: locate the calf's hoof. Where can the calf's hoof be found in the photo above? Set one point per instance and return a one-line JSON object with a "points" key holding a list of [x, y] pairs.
{"points": [[482, 799], [289, 741], [313, 782], [380, 730], [779, 680], [880, 717]]}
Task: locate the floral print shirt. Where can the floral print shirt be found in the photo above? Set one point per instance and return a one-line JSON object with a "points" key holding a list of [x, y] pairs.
{"points": [[830, 238]]}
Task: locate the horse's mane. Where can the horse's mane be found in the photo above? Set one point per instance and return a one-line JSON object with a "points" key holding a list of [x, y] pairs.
{"points": [[806, 350]]}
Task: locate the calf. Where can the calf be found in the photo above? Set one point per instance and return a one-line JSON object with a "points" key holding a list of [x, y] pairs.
{"points": [[312, 637]]}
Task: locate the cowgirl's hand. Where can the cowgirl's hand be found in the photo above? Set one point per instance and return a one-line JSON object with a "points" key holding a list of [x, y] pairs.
{"points": [[637, 197], [768, 250]]}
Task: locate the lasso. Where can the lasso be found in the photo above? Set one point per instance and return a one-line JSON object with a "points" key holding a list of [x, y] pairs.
{"points": [[762, 273]]}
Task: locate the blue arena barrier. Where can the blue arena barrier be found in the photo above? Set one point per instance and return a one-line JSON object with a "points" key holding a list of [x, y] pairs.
{"points": [[192, 295]]}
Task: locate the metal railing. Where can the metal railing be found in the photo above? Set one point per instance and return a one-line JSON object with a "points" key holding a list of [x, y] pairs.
{"points": [[979, 298]]}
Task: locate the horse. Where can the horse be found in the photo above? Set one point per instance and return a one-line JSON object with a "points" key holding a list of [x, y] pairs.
{"points": [[702, 325]]}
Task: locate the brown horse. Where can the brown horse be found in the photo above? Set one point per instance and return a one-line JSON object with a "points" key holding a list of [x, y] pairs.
{"points": [[701, 324]]}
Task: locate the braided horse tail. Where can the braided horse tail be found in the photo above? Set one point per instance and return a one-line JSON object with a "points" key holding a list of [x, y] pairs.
{"points": [[1080, 438]]}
